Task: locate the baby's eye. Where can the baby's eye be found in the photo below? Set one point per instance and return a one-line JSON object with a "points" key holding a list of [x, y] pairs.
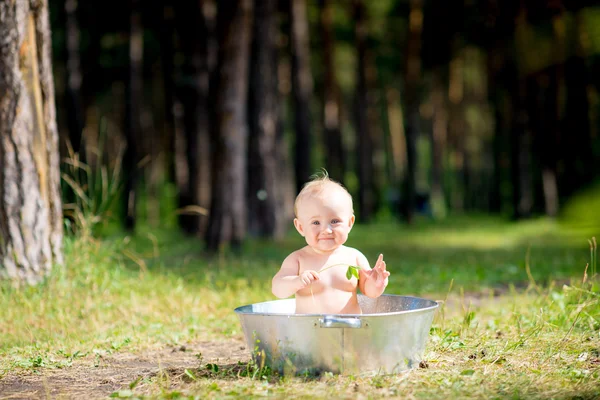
{"points": [[316, 223], [335, 221]]}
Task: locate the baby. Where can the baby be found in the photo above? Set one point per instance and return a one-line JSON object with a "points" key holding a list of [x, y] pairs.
{"points": [[324, 216]]}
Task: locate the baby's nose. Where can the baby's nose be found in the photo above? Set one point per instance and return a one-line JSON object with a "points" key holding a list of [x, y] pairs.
{"points": [[328, 228]]}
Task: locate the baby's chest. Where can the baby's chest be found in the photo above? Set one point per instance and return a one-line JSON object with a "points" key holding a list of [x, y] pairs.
{"points": [[334, 277]]}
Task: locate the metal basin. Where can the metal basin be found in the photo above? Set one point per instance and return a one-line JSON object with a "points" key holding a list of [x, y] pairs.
{"points": [[389, 336]]}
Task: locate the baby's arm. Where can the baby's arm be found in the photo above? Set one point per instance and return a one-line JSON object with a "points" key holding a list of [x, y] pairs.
{"points": [[287, 281], [372, 282]]}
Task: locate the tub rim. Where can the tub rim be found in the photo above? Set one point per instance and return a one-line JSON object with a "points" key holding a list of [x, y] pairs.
{"points": [[435, 305]]}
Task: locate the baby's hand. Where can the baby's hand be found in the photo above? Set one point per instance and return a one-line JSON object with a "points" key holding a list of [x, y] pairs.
{"points": [[378, 275], [380, 272], [308, 277]]}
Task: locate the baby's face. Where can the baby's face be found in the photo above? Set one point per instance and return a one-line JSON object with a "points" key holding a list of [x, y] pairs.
{"points": [[325, 220]]}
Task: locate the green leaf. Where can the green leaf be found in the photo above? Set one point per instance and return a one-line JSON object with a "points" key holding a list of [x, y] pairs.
{"points": [[133, 384], [122, 394], [190, 374], [352, 271]]}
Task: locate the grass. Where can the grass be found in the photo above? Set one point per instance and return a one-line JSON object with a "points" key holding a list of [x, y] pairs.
{"points": [[518, 321]]}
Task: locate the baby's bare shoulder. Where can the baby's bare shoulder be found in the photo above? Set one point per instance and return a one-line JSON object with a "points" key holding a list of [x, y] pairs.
{"points": [[356, 255], [350, 251], [293, 256]]}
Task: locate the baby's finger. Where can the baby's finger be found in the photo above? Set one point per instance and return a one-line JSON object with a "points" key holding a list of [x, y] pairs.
{"points": [[314, 275], [382, 266]]}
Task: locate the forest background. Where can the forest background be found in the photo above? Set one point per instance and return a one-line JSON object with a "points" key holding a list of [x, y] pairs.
{"points": [[151, 152], [417, 107]]}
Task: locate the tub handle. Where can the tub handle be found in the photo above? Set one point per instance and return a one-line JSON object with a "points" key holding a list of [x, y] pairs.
{"points": [[339, 322]]}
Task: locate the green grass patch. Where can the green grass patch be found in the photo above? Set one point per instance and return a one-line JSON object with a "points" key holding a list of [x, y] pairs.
{"points": [[518, 321]]}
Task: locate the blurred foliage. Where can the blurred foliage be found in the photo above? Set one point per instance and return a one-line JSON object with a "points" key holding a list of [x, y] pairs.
{"points": [[581, 214]]}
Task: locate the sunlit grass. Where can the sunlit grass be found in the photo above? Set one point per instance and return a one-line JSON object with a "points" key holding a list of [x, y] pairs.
{"points": [[538, 339]]}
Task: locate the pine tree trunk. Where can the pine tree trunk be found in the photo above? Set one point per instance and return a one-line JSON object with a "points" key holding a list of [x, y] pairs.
{"points": [[302, 86], [75, 113], [499, 27], [334, 149], [397, 138], [412, 79], [520, 140], [30, 204], [366, 192], [522, 196], [286, 188], [193, 93], [580, 167], [161, 167], [132, 114], [496, 99], [227, 220], [438, 144], [262, 161]]}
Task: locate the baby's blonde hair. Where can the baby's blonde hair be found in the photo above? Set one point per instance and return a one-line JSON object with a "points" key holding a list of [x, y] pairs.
{"points": [[317, 183]]}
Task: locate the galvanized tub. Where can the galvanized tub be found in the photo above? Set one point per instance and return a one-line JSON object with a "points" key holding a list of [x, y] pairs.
{"points": [[389, 336]]}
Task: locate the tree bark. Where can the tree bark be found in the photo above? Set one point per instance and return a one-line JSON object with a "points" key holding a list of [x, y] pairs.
{"points": [[75, 112], [495, 61], [412, 79], [193, 94], [520, 140], [132, 114], [522, 194], [438, 144], [334, 148], [366, 192], [397, 138], [302, 86], [580, 167], [30, 204], [263, 116], [227, 220]]}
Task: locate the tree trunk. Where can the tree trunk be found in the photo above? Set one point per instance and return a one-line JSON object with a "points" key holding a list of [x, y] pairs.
{"points": [[263, 115], [521, 163], [75, 112], [302, 86], [132, 114], [522, 197], [544, 103], [499, 27], [438, 144], [227, 221], [30, 204], [193, 93], [580, 168], [366, 192], [334, 148], [411, 82], [166, 27], [495, 62], [397, 138], [286, 188]]}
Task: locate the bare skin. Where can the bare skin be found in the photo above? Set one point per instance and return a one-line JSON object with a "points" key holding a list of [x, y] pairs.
{"points": [[325, 220]]}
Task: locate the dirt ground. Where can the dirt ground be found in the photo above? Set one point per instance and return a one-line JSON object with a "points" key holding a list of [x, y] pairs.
{"points": [[91, 378]]}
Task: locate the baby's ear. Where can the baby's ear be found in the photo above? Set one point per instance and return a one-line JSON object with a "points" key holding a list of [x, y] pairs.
{"points": [[298, 226], [351, 222]]}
